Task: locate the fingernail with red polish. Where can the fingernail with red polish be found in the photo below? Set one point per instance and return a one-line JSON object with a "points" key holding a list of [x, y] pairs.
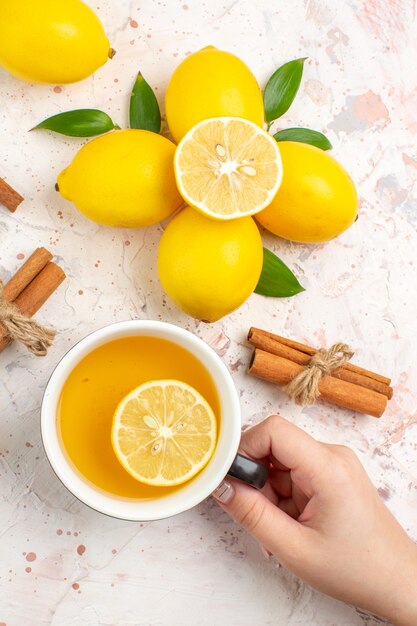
{"points": [[224, 492]]}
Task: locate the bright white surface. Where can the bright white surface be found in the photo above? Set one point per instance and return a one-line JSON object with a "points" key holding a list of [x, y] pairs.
{"points": [[199, 568]]}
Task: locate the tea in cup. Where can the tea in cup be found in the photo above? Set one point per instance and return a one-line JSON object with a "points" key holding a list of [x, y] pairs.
{"points": [[89, 384]]}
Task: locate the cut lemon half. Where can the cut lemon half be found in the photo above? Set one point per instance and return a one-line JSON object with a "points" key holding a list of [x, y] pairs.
{"points": [[228, 167], [164, 432]]}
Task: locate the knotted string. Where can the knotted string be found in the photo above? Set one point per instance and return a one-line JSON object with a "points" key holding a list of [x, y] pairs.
{"points": [[304, 388], [34, 336]]}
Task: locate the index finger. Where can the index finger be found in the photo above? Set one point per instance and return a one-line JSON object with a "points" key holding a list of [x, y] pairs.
{"points": [[290, 446]]}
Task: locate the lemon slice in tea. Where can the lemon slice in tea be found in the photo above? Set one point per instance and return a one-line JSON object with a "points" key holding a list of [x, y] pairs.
{"points": [[228, 167], [164, 432]]}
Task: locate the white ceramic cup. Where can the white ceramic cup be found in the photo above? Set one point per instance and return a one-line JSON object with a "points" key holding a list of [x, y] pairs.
{"points": [[205, 482]]}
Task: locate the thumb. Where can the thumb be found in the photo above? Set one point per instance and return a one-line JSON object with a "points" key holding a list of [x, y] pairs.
{"points": [[251, 509]]}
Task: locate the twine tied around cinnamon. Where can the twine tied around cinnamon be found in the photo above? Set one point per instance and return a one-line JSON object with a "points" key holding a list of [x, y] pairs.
{"points": [[304, 388], [29, 332]]}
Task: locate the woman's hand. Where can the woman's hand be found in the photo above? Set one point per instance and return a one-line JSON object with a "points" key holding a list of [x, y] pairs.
{"points": [[322, 518]]}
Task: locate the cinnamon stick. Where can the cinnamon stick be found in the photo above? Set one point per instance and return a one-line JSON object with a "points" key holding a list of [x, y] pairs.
{"points": [[257, 333], [281, 371], [26, 273], [35, 295], [260, 339], [9, 197]]}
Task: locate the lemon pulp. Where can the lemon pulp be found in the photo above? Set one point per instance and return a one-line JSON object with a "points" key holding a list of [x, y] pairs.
{"points": [[164, 432], [228, 167]]}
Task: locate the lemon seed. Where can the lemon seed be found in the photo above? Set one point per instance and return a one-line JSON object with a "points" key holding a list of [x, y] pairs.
{"points": [[248, 170], [155, 448], [150, 421]]}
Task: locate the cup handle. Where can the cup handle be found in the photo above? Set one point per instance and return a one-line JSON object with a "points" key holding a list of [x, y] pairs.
{"points": [[249, 471]]}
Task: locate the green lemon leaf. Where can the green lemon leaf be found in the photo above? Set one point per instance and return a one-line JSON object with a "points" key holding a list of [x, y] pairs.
{"points": [[79, 123], [144, 110], [304, 135], [276, 279], [282, 88]]}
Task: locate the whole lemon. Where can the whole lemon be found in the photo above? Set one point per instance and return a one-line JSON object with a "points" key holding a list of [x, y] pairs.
{"points": [[123, 178], [317, 199], [211, 83], [209, 268], [51, 41]]}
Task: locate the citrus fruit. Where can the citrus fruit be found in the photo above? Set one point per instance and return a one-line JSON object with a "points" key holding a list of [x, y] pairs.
{"points": [[209, 268], [227, 167], [317, 199], [211, 83], [164, 432], [51, 41], [123, 178]]}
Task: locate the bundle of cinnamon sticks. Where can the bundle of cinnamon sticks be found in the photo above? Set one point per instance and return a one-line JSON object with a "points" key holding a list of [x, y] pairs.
{"points": [[279, 360], [31, 287]]}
